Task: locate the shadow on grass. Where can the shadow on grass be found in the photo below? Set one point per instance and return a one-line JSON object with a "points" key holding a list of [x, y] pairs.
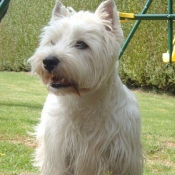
{"points": [[26, 105]]}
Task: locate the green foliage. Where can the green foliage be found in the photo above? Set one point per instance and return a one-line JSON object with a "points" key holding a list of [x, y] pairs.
{"points": [[20, 30], [140, 65]]}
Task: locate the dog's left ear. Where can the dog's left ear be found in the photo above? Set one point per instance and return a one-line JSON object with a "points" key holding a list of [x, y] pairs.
{"points": [[107, 12], [59, 11]]}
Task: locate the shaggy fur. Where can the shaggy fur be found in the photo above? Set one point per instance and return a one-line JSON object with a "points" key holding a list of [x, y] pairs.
{"points": [[90, 123]]}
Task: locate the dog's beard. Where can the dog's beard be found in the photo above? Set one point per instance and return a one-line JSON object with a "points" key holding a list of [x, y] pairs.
{"points": [[60, 84]]}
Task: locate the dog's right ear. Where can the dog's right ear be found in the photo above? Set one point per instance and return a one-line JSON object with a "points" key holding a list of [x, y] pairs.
{"points": [[59, 11]]}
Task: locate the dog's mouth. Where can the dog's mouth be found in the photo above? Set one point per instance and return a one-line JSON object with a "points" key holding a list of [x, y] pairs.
{"points": [[57, 82], [62, 83]]}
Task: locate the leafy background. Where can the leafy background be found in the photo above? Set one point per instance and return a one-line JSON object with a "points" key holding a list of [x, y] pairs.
{"points": [[140, 65]]}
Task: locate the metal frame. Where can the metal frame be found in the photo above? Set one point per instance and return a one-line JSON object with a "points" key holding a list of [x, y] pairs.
{"points": [[3, 6], [170, 17]]}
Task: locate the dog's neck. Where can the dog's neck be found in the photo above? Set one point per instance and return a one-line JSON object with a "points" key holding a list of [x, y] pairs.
{"points": [[100, 98]]}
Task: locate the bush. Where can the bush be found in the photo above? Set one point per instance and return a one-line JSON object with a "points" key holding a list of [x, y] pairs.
{"points": [[140, 65], [19, 31]]}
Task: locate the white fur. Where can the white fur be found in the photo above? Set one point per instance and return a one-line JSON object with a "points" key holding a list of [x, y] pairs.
{"points": [[93, 127]]}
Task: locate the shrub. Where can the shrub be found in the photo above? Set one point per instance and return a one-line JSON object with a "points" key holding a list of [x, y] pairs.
{"points": [[19, 32], [140, 65]]}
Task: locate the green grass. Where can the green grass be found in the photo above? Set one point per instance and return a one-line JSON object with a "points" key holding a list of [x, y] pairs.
{"points": [[158, 132], [20, 107], [22, 99]]}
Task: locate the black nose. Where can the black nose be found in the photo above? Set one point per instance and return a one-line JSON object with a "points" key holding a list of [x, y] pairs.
{"points": [[50, 63]]}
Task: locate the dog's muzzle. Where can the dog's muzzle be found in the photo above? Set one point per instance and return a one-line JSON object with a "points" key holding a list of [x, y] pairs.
{"points": [[57, 81], [50, 63]]}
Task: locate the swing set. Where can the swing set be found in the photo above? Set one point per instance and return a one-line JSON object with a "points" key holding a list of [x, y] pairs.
{"points": [[168, 57]]}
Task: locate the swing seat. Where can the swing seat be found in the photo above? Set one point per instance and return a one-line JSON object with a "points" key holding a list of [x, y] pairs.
{"points": [[165, 56]]}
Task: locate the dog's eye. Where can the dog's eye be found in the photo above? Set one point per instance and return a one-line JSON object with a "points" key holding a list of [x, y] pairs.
{"points": [[81, 45], [52, 42]]}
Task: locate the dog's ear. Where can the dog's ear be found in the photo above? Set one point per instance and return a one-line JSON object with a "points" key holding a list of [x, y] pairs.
{"points": [[107, 12], [59, 11]]}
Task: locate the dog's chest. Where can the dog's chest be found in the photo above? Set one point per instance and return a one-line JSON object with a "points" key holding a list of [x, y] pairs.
{"points": [[75, 126]]}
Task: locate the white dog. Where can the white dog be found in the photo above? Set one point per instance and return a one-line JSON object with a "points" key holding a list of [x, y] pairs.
{"points": [[90, 124]]}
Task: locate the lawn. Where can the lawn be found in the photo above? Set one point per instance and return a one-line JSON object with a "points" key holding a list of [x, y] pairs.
{"points": [[22, 99]]}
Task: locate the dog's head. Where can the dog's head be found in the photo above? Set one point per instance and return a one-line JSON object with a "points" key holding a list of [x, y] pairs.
{"points": [[78, 50]]}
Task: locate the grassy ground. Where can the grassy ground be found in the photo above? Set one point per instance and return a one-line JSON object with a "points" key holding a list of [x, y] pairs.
{"points": [[20, 107], [22, 98]]}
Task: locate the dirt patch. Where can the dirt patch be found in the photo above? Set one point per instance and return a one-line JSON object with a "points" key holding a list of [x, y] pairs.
{"points": [[168, 163], [28, 174], [27, 141], [170, 144]]}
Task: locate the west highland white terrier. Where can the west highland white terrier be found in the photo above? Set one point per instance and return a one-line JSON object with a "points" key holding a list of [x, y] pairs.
{"points": [[90, 123]]}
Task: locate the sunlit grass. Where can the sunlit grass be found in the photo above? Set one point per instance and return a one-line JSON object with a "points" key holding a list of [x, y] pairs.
{"points": [[20, 107], [158, 118], [22, 99]]}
